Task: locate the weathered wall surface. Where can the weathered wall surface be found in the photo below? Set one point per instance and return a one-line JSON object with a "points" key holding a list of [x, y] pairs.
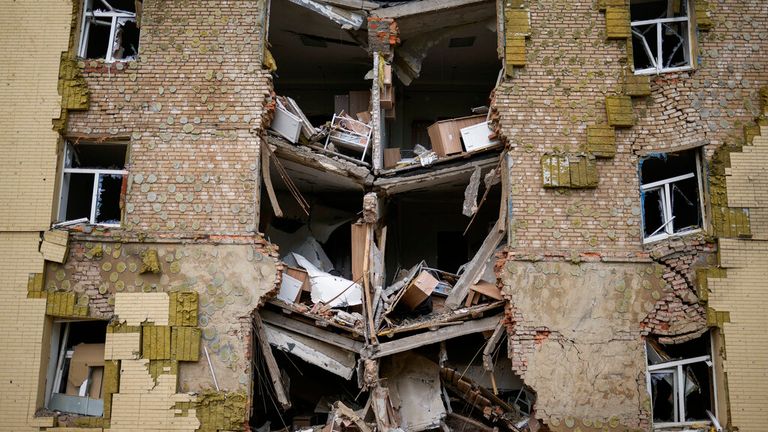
{"points": [[191, 108], [30, 100], [566, 74], [575, 338]]}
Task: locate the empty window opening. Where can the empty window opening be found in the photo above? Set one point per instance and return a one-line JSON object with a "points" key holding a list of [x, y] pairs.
{"points": [[661, 35], [109, 30], [92, 183], [76, 367], [671, 194], [440, 76], [681, 382]]}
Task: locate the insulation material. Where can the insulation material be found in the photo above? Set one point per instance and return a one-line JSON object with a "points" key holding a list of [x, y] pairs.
{"points": [[183, 309], [619, 111], [185, 343], [601, 141], [416, 382], [331, 290], [156, 342], [65, 304], [331, 358]]}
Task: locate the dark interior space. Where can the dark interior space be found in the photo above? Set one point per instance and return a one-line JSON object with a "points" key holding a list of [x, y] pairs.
{"points": [[316, 60], [98, 156], [78, 195], [108, 202], [458, 73], [429, 225], [312, 390]]}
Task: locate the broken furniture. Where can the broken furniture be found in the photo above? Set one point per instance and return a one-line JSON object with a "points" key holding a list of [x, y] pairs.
{"points": [[350, 134]]}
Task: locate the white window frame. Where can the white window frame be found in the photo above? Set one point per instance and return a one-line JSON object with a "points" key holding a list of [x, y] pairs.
{"points": [[95, 189], [677, 371], [115, 15], [658, 62], [667, 228]]}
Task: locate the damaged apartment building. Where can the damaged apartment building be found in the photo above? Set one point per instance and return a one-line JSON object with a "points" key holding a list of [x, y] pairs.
{"points": [[371, 215]]}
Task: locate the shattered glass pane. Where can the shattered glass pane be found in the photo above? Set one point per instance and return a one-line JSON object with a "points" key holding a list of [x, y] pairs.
{"points": [[644, 46], [108, 199], [126, 44], [663, 394], [97, 37], [674, 45], [653, 211], [662, 166], [685, 204], [641, 10], [78, 192]]}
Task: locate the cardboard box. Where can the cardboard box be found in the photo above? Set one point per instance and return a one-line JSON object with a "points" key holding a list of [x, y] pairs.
{"points": [[418, 290], [85, 358], [391, 157], [293, 283], [359, 101], [445, 135], [475, 137], [341, 104]]}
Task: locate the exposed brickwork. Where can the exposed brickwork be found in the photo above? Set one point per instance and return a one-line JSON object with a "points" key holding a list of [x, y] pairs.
{"points": [[191, 108]]}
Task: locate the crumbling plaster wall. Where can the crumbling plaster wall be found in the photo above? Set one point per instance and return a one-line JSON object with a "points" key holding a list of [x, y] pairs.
{"points": [[576, 339], [30, 100], [567, 70]]}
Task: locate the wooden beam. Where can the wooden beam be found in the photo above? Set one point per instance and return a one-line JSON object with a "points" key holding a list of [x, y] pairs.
{"points": [[424, 6], [431, 178], [272, 368], [456, 315], [353, 4], [265, 155], [445, 333], [459, 422], [305, 329], [490, 345], [474, 269]]}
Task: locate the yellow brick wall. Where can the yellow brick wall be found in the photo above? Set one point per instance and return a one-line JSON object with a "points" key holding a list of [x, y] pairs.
{"points": [[744, 293], [31, 43], [21, 330]]}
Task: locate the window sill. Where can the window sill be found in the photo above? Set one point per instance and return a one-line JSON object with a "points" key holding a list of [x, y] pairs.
{"points": [[662, 71], [660, 237], [700, 425]]}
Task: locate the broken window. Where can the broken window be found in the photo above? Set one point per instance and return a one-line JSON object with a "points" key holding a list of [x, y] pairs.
{"points": [[110, 30], [681, 382], [76, 368], [670, 187], [92, 183], [661, 36]]}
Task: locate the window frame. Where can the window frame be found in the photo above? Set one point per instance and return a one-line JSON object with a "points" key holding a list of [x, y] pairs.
{"points": [[659, 24], [667, 230], [675, 367], [114, 15], [97, 173]]}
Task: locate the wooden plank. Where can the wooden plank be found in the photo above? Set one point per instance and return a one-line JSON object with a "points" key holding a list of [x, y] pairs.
{"points": [[432, 178], [272, 368], [445, 333], [326, 356], [490, 345], [305, 329], [354, 4], [474, 269], [487, 289], [451, 317], [265, 155], [420, 7]]}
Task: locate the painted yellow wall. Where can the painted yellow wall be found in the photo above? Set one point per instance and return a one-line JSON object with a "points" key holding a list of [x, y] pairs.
{"points": [[31, 43]]}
